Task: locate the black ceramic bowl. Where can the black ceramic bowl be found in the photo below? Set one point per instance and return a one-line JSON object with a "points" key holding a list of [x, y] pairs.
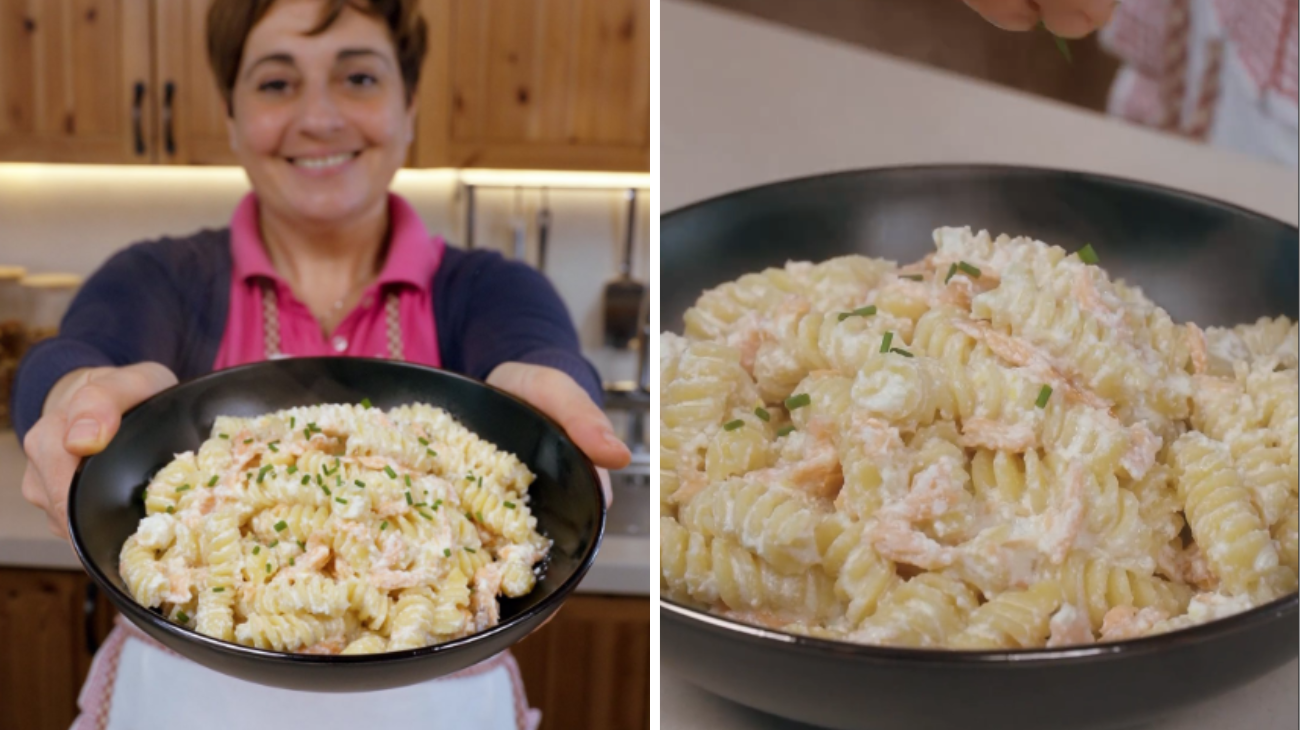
{"points": [[1202, 260], [566, 498]]}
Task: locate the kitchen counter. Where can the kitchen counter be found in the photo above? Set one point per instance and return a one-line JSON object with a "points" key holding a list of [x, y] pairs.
{"points": [[745, 103], [622, 567]]}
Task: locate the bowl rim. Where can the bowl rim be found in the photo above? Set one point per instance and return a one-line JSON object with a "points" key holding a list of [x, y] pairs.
{"points": [[140, 615], [982, 167], [1199, 633]]}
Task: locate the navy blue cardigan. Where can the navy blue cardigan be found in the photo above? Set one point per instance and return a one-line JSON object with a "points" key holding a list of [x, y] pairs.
{"points": [[166, 301]]}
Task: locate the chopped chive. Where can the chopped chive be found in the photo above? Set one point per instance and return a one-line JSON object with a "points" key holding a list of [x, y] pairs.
{"points": [[170, 509], [273, 543], [424, 514], [338, 480], [911, 277], [292, 468], [359, 483], [951, 270], [293, 421], [785, 431], [340, 500], [479, 515], [732, 425], [762, 414], [1043, 395], [900, 351], [389, 471], [248, 441], [290, 561], [223, 436], [437, 504], [306, 479], [182, 617], [268, 567], [510, 505], [469, 477], [969, 269], [257, 549], [328, 493], [280, 526], [365, 403], [469, 517], [423, 441], [407, 479], [420, 504], [446, 552], [383, 525], [1087, 255], [219, 589], [797, 401], [182, 488], [480, 482], [430, 452], [302, 545], [306, 433], [337, 463], [272, 446], [408, 498], [261, 473], [320, 481], [213, 481], [470, 550], [313, 427], [866, 311], [884, 344]]}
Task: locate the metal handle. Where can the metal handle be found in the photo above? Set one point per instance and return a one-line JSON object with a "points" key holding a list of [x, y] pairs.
{"points": [[169, 137], [543, 233], [89, 608], [469, 217], [137, 117], [626, 266]]}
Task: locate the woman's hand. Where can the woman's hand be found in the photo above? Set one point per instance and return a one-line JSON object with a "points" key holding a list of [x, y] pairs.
{"points": [[558, 396], [82, 413], [1065, 18]]}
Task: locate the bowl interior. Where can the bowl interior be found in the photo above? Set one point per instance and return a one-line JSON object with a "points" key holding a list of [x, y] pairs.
{"points": [[105, 507]]}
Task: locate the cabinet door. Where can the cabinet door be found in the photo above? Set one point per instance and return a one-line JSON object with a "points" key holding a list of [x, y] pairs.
{"points": [[589, 667], [560, 84], [76, 83], [191, 114]]}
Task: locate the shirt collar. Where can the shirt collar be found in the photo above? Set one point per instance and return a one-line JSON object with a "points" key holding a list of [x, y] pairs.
{"points": [[413, 256]]}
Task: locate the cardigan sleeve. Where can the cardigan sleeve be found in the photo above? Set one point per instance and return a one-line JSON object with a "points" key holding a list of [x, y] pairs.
{"points": [[490, 310]]}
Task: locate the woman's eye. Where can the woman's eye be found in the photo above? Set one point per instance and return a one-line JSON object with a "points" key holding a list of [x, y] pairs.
{"points": [[362, 79], [274, 85]]}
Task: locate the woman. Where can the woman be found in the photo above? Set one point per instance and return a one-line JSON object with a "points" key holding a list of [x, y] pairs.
{"points": [[319, 259]]}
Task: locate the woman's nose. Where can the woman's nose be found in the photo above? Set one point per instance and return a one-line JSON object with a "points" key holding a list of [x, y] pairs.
{"points": [[319, 114]]}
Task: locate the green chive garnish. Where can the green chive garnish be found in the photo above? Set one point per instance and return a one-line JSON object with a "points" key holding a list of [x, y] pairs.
{"points": [[338, 480], [182, 488], [182, 617], [340, 500], [257, 549], [884, 344], [213, 481], [470, 550], [408, 498], [261, 473], [969, 269], [365, 403], [951, 270], [320, 481], [302, 545], [273, 543], [389, 471], [170, 509], [900, 351], [866, 311], [437, 504], [510, 505], [290, 561], [293, 421], [313, 427], [469, 477], [359, 483], [268, 567], [383, 525], [306, 479], [219, 589], [762, 414], [272, 446], [479, 515], [733, 425], [292, 468], [223, 436], [407, 479], [911, 277], [306, 433], [328, 493], [280, 526], [785, 431], [423, 441], [1087, 255], [446, 552], [1043, 395], [797, 401], [424, 514], [430, 452]]}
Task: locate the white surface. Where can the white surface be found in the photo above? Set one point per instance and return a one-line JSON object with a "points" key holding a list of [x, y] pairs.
{"points": [[622, 566], [746, 103]]}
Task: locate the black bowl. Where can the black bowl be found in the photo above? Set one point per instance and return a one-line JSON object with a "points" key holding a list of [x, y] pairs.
{"points": [[1200, 259], [566, 498]]}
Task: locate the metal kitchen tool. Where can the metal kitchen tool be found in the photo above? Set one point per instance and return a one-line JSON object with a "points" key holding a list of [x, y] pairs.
{"points": [[543, 228], [623, 294]]}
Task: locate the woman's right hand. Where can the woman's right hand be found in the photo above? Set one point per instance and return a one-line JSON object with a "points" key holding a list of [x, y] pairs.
{"points": [[1065, 18], [82, 413]]}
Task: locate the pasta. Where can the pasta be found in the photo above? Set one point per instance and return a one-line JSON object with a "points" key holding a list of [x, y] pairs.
{"points": [[336, 529], [996, 447]]}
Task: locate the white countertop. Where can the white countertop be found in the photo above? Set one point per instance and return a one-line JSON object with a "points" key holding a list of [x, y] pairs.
{"points": [[622, 567], [745, 103]]}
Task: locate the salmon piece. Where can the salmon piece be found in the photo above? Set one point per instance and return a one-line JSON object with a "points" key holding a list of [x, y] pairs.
{"points": [[997, 436]]}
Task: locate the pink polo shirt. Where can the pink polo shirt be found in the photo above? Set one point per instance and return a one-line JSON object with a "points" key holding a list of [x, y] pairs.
{"points": [[413, 257]]}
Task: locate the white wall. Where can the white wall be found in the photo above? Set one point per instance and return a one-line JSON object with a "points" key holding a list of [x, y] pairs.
{"points": [[72, 217]]}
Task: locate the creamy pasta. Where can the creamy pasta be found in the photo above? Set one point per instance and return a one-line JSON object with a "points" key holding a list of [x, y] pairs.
{"points": [[994, 447], [336, 529]]}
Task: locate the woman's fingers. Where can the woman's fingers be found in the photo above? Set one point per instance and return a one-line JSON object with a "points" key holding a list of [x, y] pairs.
{"points": [[559, 397], [95, 410], [48, 465], [1076, 18], [1008, 14]]}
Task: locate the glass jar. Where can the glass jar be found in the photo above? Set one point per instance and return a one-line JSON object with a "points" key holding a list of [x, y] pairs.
{"points": [[13, 334], [48, 297]]}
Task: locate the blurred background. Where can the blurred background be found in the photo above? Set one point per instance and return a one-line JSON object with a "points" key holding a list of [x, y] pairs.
{"points": [[533, 140]]}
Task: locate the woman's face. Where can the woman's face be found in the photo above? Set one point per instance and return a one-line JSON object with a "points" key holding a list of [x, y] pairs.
{"points": [[320, 122]]}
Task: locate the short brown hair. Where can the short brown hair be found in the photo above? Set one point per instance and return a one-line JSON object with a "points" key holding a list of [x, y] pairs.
{"points": [[230, 22]]}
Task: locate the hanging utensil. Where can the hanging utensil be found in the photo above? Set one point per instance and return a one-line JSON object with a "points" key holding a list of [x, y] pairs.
{"points": [[518, 228], [543, 228], [623, 294]]}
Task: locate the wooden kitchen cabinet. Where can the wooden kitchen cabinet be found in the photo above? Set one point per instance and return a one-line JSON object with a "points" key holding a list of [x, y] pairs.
{"points": [[556, 84], [589, 667], [191, 114]]}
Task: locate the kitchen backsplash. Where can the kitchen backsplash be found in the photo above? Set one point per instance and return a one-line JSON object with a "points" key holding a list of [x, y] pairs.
{"points": [[72, 218]]}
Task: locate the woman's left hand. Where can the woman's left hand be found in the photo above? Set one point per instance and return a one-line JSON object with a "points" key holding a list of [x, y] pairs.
{"points": [[560, 397]]}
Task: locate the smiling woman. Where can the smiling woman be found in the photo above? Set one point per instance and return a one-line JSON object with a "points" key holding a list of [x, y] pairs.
{"points": [[320, 258]]}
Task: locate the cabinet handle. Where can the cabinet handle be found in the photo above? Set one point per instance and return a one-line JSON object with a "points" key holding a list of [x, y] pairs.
{"points": [[137, 117], [89, 609], [169, 138]]}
